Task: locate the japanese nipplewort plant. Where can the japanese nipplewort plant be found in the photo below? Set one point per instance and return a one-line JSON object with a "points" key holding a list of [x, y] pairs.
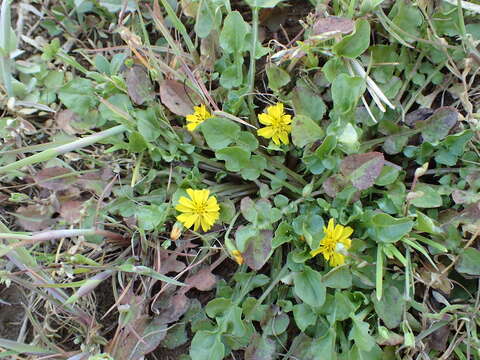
{"points": [[254, 179]]}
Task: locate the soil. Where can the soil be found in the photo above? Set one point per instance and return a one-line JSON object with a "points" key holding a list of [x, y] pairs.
{"points": [[11, 312]]}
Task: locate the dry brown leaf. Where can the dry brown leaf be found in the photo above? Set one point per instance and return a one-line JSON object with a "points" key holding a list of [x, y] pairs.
{"points": [[202, 280], [139, 85], [71, 211], [333, 25], [66, 119], [169, 263], [34, 217], [55, 178], [175, 97]]}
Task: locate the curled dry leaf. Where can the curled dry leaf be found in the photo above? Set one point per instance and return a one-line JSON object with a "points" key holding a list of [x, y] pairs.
{"points": [[55, 178], [333, 25], [175, 97]]}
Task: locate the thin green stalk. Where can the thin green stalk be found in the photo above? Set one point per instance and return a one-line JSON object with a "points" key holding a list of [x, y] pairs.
{"points": [[52, 153], [283, 182], [379, 272], [411, 101], [181, 28], [251, 74], [272, 285], [282, 167], [5, 66]]}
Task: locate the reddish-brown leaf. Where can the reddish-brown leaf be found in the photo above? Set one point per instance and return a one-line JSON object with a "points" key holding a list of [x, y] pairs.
{"points": [[55, 178], [71, 211], [175, 97], [66, 121], [169, 263], [34, 217], [202, 280], [363, 169], [139, 85]]}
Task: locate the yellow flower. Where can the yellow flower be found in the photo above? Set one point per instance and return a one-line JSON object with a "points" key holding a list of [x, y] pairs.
{"points": [[277, 124], [334, 244], [176, 231], [237, 256], [199, 115], [200, 209]]}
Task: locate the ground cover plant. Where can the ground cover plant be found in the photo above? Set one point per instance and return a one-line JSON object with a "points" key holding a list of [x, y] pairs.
{"points": [[223, 179]]}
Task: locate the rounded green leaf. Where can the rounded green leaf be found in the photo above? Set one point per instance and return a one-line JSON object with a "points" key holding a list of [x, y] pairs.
{"points": [[219, 133], [387, 229], [309, 287], [207, 345], [354, 45]]}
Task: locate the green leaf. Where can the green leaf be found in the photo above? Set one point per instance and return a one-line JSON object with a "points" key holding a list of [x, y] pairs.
{"points": [[283, 234], [339, 277], [427, 225], [387, 176], [260, 348], [235, 157], [247, 141], [120, 103], [307, 103], [219, 132], [375, 353], [263, 3], [305, 131], [151, 216], [234, 31], [346, 91], [227, 315], [324, 347], [117, 5], [232, 77], [304, 316], [23, 348], [469, 262], [333, 68], [79, 96], [354, 45], [207, 345], [428, 196], [148, 124], [390, 307], [277, 77], [207, 18], [136, 142], [387, 229], [255, 167], [360, 333], [437, 126], [309, 287]]}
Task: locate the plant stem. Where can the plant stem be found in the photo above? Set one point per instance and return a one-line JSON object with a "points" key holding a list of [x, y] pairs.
{"points": [[251, 74], [52, 153]]}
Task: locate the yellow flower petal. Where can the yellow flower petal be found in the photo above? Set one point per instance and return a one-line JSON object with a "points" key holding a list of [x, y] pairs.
{"points": [[284, 137], [266, 132], [275, 111], [265, 119]]}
